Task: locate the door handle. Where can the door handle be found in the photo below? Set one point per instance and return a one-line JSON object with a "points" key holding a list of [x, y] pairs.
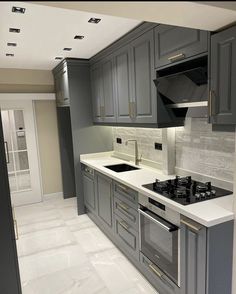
{"points": [[196, 227], [123, 206], [124, 225], [7, 151], [160, 275], [15, 224]]}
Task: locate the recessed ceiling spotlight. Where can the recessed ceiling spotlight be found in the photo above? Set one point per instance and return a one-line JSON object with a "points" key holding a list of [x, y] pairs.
{"points": [[67, 49], [14, 30], [10, 54], [18, 9], [58, 57], [94, 20], [78, 37], [11, 44]]}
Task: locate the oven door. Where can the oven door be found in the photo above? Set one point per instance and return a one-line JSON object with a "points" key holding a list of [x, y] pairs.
{"points": [[159, 241]]}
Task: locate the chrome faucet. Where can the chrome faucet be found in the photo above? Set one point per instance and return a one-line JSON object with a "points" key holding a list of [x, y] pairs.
{"points": [[137, 159]]}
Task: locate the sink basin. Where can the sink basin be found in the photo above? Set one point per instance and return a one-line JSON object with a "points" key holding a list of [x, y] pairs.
{"points": [[123, 167]]}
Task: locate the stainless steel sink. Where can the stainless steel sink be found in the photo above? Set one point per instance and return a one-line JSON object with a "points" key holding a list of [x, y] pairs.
{"points": [[123, 167]]}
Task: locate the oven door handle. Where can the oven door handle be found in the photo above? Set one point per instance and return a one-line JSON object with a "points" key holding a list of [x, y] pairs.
{"points": [[169, 228]]}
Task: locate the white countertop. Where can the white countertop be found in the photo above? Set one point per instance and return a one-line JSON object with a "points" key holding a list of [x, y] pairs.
{"points": [[207, 213]]}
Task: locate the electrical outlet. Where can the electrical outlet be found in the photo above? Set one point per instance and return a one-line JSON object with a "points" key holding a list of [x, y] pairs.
{"points": [[158, 146], [118, 140]]}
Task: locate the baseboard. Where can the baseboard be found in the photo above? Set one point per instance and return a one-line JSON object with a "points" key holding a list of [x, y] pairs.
{"points": [[52, 195]]}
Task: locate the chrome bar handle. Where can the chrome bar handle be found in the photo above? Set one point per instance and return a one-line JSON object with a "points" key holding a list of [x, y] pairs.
{"points": [[124, 225], [176, 57], [122, 187], [123, 206], [194, 226], [7, 151], [154, 269]]}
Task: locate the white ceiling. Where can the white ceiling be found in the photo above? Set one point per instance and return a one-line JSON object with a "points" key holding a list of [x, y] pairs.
{"points": [[50, 26], [45, 31]]}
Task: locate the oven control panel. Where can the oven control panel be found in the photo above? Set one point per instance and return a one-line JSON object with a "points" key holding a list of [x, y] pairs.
{"points": [[160, 209]]}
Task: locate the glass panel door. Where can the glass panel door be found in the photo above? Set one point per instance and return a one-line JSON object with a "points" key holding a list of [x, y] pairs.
{"points": [[16, 150]]}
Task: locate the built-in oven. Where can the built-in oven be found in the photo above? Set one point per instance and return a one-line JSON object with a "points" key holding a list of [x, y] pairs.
{"points": [[159, 236]]}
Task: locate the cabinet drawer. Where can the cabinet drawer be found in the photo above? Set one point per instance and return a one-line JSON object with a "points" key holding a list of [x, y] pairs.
{"points": [[126, 194], [127, 236], [126, 212], [154, 275]]}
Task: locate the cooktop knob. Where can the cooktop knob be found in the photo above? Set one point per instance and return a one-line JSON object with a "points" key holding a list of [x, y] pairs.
{"points": [[208, 194], [197, 195], [213, 192], [203, 195]]}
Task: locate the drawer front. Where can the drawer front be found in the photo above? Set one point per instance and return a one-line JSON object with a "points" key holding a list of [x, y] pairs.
{"points": [[162, 283], [127, 236], [126, 194], [126, 212]]}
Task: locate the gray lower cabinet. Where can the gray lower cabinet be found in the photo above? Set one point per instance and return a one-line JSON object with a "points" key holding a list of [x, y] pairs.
{"points": [[206, 258], [90, 200], [222, 102], [174, 43], [161, 282], [104, 196], [193, 257]]}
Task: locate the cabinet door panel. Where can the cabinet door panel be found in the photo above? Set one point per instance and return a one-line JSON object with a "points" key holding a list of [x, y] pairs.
{"points": [[105, 200], [193, 247], [89, 195], [97, 84], [173, 43], [222, 102], [143, 73], [108, 92], [62, 88], [123, 84]]}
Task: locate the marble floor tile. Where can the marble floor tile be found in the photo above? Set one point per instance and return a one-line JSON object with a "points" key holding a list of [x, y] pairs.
{"points": [[93, 240], [50, 261], [74, 280], [44, 240], [63, 253], [80, 223]]}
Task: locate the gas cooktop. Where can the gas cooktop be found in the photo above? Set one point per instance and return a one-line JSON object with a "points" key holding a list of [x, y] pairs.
{"points": [[186, 191]]}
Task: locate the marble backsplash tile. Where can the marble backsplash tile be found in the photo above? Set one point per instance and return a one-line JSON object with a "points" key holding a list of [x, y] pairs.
{"points": [[197, 148], [203, 151], [146, 139]]}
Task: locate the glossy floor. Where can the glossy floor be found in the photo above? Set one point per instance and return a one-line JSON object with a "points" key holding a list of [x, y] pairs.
{"points": [[62, 253]]}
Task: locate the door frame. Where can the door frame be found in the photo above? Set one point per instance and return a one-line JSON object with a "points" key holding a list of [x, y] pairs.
{"points": [[31, 97]]}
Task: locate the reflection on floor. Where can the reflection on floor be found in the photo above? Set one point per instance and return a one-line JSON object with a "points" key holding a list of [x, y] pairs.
{"points": [[62, 253]]}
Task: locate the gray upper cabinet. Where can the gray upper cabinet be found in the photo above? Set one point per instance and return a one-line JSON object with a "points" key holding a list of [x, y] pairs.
{"points": [[222, 102], [144, 99], [97, 92], [122, 70], [174, 43], [103, 91], [108, 101], [62, 88], [105, 201]]}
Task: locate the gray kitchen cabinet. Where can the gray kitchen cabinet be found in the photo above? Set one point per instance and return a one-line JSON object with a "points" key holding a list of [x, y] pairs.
{"points": [[127, 237], [193, 257], [174, 43], [144, 98], [90, 200], [160, 281], [104, 200], [222, 102], [206, 258], [97, 92], [62, 88], [123, 88], [103, 95]]}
